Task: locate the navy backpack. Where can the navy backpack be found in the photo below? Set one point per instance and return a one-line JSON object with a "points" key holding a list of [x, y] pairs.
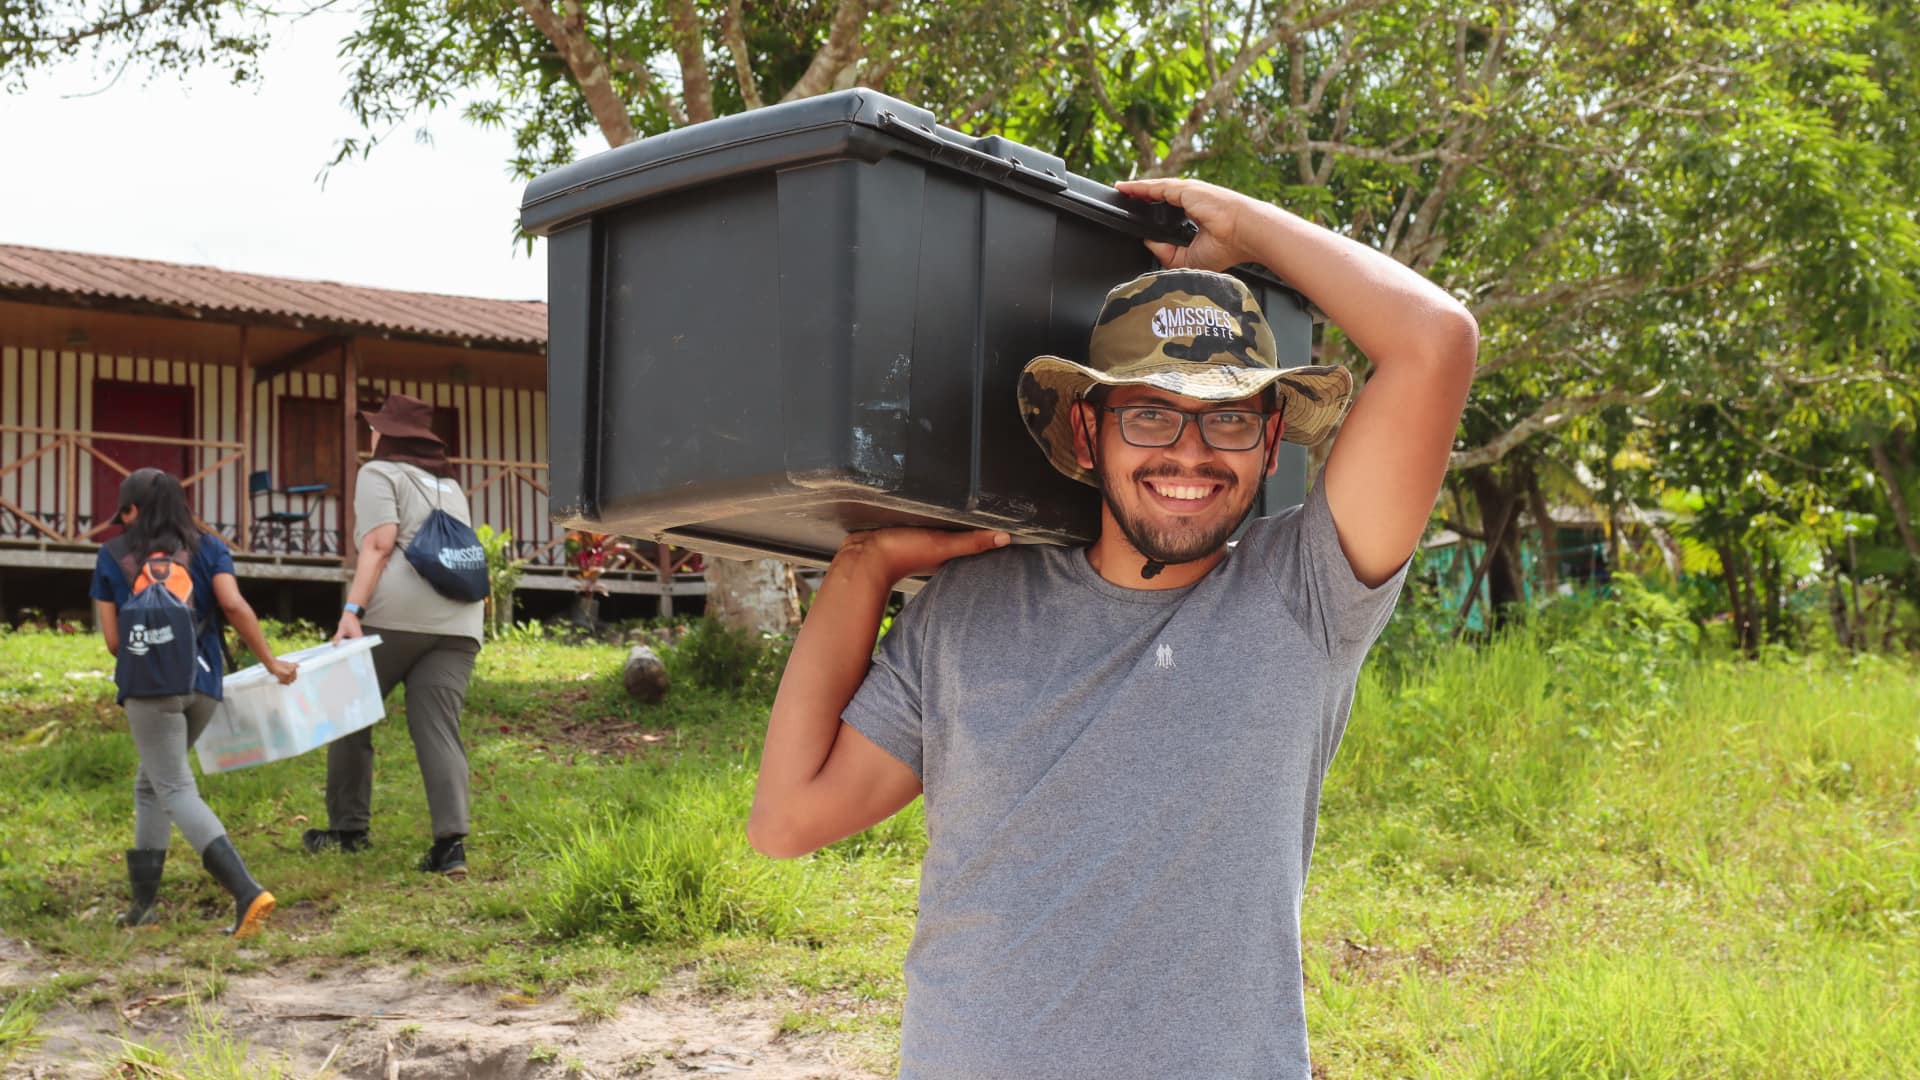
{"points": [[159, 637], [447, 552]]}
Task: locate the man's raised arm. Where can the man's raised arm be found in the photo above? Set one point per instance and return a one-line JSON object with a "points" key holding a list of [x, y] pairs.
{"points": [[821, 780], [1390, 456]]}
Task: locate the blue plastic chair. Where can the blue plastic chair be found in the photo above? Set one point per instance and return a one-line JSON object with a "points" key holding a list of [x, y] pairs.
{"points": [[283, 522]]}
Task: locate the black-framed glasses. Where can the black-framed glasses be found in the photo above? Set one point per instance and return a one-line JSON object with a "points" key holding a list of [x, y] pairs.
{"points": [[1151, 426]]}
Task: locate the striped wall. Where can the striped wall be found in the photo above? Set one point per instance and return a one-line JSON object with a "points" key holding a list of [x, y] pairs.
{"points": [[50, 388], [496, 424]]}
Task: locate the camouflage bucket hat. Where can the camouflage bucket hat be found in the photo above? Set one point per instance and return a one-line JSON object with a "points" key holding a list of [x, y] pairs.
{"points": [[1189, 332]]}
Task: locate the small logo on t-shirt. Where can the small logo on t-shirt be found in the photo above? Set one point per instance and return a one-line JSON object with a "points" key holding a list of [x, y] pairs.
{"points": [[1163, 658]]}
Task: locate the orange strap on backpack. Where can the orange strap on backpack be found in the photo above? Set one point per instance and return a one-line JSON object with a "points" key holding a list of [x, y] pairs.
{"points": [[160, 568]]}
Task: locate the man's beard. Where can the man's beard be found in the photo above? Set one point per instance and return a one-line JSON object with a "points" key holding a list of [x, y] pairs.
{"points": [[1179, 541]]}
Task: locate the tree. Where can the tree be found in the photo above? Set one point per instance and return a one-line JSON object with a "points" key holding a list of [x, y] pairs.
{"points": [[555, 72], [1673, 222], [1645, 206], [159, 35]]}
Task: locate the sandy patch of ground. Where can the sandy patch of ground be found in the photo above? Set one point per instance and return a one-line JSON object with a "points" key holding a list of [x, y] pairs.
{"points": [[376, 1022]]}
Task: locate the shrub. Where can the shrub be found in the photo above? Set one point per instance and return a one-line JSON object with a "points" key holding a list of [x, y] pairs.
{"points": [[1620, 655], [681, 870], [503, 577], [721, 657]]}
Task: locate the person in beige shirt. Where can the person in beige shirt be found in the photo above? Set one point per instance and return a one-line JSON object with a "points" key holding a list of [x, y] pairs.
{"points": [[428, 641]]}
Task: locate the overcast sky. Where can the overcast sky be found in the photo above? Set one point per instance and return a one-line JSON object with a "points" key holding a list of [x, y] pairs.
{"points": [[200, 171]]}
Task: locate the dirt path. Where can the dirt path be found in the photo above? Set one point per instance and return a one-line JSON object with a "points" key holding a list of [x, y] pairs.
{"points": [[376, 1022]]}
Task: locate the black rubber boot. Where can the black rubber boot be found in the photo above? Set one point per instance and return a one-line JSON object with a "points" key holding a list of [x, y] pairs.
{"points": [[143, 883], [347, 840], [447, 856], [251, 903]]}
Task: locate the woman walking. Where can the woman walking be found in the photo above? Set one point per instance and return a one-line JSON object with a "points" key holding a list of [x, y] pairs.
{"points": [[161, 589], [428, 640]]}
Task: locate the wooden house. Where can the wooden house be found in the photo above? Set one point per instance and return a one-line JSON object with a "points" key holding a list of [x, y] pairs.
{"points": [[248, 387]]}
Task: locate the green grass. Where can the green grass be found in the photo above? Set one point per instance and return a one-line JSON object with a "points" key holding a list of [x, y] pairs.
{"points": [[1577, 851], [206, 1052]]}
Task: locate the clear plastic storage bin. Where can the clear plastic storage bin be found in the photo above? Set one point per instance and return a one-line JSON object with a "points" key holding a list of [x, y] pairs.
{"points": [[260, 720]]}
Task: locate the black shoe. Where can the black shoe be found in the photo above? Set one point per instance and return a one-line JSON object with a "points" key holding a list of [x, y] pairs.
{"points": [[143, 883], [447, 856], [347, 840], [251, 903]]}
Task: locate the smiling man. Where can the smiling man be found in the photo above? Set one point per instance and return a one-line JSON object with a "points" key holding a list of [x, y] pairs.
{"points": [[1122, 746]]}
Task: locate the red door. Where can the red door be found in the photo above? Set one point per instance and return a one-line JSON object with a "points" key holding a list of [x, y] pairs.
{"points": [[132, 408]]}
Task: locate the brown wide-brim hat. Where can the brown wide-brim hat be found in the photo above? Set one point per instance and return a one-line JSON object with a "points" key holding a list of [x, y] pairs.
{"points": [[1194, 333], [403, 416]]}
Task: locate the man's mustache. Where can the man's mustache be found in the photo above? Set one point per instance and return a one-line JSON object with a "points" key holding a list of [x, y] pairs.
{"points": [[1213, 473]]}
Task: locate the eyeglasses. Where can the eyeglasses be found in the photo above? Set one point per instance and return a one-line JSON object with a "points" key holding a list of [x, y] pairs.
{"points": [[1152, 426]]}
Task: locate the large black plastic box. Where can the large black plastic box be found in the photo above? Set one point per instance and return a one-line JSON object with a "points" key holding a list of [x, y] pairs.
{"points": [[768, 329]]}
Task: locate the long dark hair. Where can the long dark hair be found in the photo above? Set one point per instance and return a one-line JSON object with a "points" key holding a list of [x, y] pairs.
{"points": [[164, 522], [429, 454]]}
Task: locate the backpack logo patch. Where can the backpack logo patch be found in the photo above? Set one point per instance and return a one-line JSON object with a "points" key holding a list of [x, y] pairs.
{"points": [[140, 638], [466, 558]]}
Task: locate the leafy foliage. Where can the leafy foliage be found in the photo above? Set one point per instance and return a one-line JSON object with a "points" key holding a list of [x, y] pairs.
{"points": [[591, 556], [503, 577], [158, 35], [721, 657]]}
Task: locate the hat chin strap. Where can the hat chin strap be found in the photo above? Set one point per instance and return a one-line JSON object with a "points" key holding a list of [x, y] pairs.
{"points": [[1151, 569]]}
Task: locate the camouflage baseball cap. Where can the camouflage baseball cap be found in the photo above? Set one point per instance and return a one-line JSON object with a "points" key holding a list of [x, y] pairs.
{"points": [[1189, 332]]}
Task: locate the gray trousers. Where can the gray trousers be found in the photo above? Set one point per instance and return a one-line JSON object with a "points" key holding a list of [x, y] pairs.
{"points": [[435, 669], [164, 795]]}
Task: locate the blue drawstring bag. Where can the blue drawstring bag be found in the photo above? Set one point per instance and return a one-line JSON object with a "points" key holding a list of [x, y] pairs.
{"points": [[159, 639], [447, 552]]}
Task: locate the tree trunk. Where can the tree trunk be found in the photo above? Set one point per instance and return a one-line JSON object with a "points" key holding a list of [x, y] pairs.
{"points": [[1741, 608], [689, 44], [1837, 615], [566, 29], [1897, 499], [1549, 537], [758, 595], [1772, 588], [1506, 582]]}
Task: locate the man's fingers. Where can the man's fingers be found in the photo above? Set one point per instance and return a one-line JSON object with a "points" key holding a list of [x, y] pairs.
{"points": [[971, 542], [1163, 252], [1157, 190], [988, 539]]}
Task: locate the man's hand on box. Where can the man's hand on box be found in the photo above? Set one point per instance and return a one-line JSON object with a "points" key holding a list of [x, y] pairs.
{"points": [[888, 555], [284, 670], [1217, 211]]}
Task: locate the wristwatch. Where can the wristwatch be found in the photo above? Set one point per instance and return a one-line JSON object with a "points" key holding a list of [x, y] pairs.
{"points": [[354, 610]]}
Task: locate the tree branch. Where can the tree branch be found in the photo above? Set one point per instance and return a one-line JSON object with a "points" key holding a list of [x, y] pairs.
{"points": [[732, 31], [1283, 30], [1090, 65], [650, 84], [586, 64], [1552, 413], [841, 48], [1902, 519], [1424, 248], [106, 27], [689, 44]]}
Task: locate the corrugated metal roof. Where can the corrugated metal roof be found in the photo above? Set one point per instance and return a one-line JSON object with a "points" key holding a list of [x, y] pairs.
{"points": [[462, 318]]}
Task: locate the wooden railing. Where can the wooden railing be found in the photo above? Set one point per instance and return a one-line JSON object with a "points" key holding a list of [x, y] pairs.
{"points": [[512, 475], [64, 519], [69, 448]]}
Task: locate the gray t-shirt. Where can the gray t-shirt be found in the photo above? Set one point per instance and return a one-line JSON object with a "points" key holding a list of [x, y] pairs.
{"points": [[393, 493], [1121, 788]]}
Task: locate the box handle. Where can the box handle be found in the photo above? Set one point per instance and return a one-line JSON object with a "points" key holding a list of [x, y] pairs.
{"points": [[1154, 221]]}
